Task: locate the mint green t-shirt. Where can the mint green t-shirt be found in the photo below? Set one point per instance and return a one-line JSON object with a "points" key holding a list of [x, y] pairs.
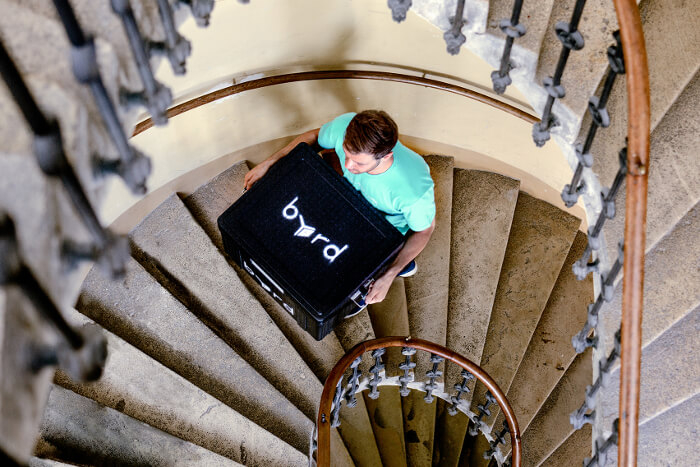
{"points": [[404, 192]]}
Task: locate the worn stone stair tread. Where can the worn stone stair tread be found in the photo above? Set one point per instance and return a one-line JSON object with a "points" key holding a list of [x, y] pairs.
{"points": [[576, 447], [137, 385], [550, 352], [535, 17], [41, 462], [585, 67], [540, 240], [206, 204], [659, 437], [144, 314], [78, 429], [673, 183], [482, 212], [675, 352], [670, 71], [539, 243], [427, 294], [172, 246], [670, 282], [98, 19], [551, 427]]}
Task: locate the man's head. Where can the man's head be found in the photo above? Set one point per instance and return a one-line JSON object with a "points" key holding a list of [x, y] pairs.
{"points": [[369, 141]]}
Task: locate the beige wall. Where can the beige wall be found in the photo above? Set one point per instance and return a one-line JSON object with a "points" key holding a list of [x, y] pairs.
{"points": [[268, 37]]}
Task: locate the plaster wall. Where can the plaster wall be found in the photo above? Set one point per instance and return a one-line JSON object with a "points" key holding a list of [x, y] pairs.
{"points": [[265, 38]]}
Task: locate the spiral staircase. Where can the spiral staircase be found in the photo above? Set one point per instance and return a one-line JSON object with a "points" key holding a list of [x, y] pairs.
{"points": [[204, 368]]}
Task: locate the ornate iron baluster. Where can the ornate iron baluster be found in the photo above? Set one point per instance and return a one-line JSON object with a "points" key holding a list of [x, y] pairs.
{"points": [[582, 267], [571, 39], [155, 97], [132, 165], [461, 389], [453, 36], [80, 353], [337, 402], [599, 118], [513, 30], [201, 10], [406, 367], [579, 417], [581, 341], [375, 370], [399, 8], [600, 457], [498, 438], [608, 201], [353, 383], [483, 411], [177, 47], [51, 158], [432, 375]]}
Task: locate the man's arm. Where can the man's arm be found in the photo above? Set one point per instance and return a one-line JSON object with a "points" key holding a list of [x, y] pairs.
{"points": [[414, 245], [310, 137]]}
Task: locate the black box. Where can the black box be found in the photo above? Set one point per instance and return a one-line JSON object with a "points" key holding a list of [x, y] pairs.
{"points": [[310, 240]]}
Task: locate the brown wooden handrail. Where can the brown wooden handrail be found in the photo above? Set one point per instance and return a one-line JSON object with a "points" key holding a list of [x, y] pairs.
{"points": [[323, 421], [338, 74], [638, 132]]}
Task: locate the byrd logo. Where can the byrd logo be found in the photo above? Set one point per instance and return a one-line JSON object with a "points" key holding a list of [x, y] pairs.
{"points": [[331, 251]]}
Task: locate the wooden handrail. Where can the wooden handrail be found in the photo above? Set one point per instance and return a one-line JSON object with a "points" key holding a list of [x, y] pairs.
{"points": [[338, 74], [323, 421], [638, 133]]}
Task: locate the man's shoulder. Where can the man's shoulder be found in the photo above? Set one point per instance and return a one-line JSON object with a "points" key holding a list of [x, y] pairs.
{"points": [[411, 180], [335, 129], [411, 164]]}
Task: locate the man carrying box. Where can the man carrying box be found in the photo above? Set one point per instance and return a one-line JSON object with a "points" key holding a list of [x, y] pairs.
{"points": [[394, 179]]}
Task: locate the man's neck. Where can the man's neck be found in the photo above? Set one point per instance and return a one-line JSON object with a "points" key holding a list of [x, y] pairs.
{"points": [[383, 166]]}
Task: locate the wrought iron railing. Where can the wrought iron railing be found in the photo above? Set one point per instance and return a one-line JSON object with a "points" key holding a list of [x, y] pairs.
{"points": [[626, 55], [335, 392]]}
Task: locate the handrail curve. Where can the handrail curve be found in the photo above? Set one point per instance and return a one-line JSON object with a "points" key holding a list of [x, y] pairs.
{"points": [[323, 419], [638, 134], [338, 74]]}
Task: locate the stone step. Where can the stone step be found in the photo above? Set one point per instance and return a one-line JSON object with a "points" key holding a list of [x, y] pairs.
{"points": [[175, 250], [148, 317], [389, 318], [674, 357], [40, 462], [670, 282], [674, 174], [585, 67], [662, 439], [427, 295], [539, 243], [576, 448], [550, 352], [482, 211], [550, 427], [671, 68], [206, 204], [80, 430], [535, 17], [98, 19], [140, 387], [172, 247]]}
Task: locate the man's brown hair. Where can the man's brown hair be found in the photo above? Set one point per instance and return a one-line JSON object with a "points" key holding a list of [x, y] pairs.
{"points": [[371, 132]]}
